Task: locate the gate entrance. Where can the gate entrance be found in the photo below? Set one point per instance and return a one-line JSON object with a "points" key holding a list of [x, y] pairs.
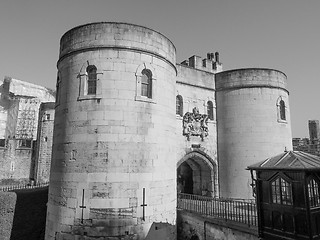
{"points": [[196, 174]]}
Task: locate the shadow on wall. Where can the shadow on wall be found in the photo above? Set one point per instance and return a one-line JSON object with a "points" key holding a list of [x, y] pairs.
{"points": [[24, 213], [161, 231]]}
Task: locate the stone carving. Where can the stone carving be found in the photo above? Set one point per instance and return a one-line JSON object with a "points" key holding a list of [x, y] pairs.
{"points": [[195, 124]]}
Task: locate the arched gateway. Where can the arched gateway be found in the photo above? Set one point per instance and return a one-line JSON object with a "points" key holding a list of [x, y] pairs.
{"points": [[197, 174]]}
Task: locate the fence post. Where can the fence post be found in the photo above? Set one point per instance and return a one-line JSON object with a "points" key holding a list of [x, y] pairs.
{"points": [[206, 206]]}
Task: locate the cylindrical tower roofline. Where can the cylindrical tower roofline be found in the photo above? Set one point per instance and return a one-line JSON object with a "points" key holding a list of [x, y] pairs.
{"points": [[251, 77], [117, 36]]}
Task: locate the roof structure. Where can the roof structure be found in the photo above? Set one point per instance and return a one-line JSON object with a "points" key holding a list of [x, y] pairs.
{"points": [[289, 160], [26, 89]]}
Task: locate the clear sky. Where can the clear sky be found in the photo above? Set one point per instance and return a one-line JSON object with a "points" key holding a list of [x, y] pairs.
{"points": [[278, 34]]}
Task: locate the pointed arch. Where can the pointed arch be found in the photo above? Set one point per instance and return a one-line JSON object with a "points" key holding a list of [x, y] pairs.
{"points": [[210, 110], [92, 79], [281, 109], [146, 83], [179, 105], [313, 191], [58, 88], [203, 173], [89, 83]]}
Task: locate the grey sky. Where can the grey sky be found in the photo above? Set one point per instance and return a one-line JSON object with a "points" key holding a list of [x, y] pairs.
{"points": [[279, 34]]}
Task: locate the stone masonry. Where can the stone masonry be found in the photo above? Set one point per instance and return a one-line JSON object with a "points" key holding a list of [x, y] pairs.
{"points": [[19, 109], [44, 142]]}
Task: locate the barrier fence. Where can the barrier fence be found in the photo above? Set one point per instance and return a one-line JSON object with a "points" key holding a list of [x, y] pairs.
{"points": [[23, 186], [238, 210]]}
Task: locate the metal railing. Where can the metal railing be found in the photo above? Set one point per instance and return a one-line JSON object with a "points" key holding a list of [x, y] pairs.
{"points": [[23, 186], [237, 210]]}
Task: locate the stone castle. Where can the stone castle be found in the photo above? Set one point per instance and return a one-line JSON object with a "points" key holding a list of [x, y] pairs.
{"points": [[132, 128], [26, 129]]}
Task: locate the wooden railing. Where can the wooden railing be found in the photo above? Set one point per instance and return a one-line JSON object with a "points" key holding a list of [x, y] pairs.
{"points": [[237, 210], [23, 186]]}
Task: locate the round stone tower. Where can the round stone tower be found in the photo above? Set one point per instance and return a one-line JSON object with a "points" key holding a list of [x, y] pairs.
{"points": [[253, 123], [44, 142], [113, 171]]}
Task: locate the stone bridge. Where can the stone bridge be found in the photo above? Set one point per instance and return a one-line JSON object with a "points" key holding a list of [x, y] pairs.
{"points": [[205, 218]]}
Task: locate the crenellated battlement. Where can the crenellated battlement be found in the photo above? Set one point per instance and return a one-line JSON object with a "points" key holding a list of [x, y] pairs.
{"points": [[210, 64]]}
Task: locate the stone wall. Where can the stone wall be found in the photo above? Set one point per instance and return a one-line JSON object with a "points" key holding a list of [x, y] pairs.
{"points": [[197, 87], [15, 164], [192, 225], [7, 207]]}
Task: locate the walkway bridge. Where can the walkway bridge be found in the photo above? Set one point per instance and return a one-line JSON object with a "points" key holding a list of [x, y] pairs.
{"points": [[201, 217]]}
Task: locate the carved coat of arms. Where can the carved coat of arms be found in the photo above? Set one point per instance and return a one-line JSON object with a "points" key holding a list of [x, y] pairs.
{"points": [[195, 124]]}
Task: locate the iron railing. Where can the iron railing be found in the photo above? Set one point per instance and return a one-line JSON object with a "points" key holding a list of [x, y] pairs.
{"points": [[23, 186], [237, 210]]}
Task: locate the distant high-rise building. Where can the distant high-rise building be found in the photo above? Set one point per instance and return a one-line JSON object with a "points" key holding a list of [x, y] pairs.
{"points": [[314, 130]]}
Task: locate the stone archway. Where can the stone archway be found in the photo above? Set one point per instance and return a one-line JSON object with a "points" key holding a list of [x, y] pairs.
{"points": [[196, 174], [194, 237]]}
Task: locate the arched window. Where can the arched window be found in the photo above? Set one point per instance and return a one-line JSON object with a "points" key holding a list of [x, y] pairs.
{"points": [[210, 110], [313, 191], [281, 191], [92, 79], [282, 110], [3, 142], [146, 83], [58, 86], [179, 105], [194, 237]]}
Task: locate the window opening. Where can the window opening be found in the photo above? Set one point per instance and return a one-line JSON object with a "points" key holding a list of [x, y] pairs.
{"points": [[179, 105], [313, 190], [25, 143], [146, 83], [281, 191], [73, 155], [210, 110], [92, 79], [282, 110], [12, 166], [3, 142], [58, 90]]}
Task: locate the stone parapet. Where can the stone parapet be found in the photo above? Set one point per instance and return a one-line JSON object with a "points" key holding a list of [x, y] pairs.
{"points": [[117, 36], [249, 78]]}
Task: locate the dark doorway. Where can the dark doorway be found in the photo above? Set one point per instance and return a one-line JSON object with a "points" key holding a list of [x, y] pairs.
{"points": [[194, 237], [185, 179]]}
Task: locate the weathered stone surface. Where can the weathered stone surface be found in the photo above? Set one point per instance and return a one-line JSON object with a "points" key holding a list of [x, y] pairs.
{"points": [[19, 117], [191, 225], [7, 207]]}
